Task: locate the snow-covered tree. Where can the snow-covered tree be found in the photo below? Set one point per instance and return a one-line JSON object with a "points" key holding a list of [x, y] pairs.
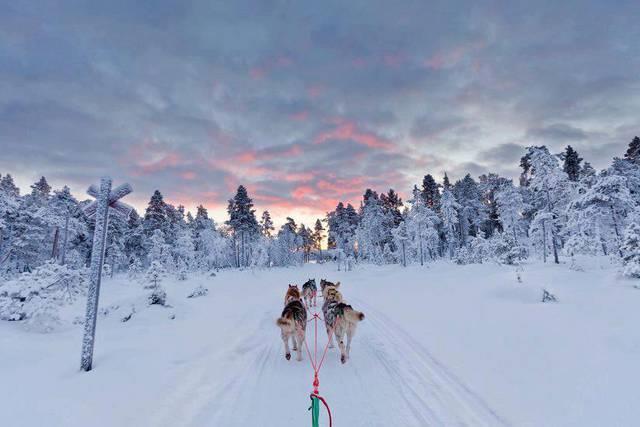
{"points": [[243, 224], [571, 165], [450, 224], [631, 247], [633, 152]]}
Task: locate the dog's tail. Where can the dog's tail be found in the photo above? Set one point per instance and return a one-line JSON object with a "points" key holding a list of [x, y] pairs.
{"points": [[353, 316], [283, 321]]}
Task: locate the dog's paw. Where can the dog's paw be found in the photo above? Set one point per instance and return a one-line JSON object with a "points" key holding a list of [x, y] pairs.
{"points": [[343, 359], [287, 356]]}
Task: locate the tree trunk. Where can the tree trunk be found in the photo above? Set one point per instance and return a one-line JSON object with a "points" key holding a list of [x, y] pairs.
{"points": [[64, 240], [54, 248], [615, 228], [544, 241]]}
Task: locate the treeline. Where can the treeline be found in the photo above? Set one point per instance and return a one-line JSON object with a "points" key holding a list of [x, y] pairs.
{"points": [[561, 207]]}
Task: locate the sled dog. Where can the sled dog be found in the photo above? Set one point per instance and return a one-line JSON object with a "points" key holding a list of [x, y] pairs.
{"points": [[292, 324], [293, 293], [309, 292], [342, 318], [325, 283]]}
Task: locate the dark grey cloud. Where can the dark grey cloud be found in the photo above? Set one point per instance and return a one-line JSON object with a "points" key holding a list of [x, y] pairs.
{"points": [[304, 101]]}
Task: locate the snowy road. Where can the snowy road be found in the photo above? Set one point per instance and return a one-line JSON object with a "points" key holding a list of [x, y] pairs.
{"points": [[440, 346], [390, 378]]}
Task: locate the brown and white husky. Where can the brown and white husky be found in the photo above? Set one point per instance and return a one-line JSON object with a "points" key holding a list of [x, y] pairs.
{"points": [[309, 292], [293, 293], [342, 318], [325, 283], [293, 324]]}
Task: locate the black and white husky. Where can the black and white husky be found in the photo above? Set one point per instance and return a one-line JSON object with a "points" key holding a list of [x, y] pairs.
{"points": [[293, 324], [342, 319], [309, 292]]}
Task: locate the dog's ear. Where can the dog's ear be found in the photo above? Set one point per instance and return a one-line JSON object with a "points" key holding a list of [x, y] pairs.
{"points": [[290, 285], [337, 284]]}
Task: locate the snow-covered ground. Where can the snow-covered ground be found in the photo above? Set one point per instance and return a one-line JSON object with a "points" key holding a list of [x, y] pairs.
{"points": [[443, 345]]}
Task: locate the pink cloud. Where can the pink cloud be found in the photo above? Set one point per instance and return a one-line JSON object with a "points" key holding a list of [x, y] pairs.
{"points": [[347, 130], [314, 91], [300, 116], [451, 57], [393, 59], [188, 175]]}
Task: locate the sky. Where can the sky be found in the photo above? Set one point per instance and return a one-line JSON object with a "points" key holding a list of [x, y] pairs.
{"points": [[307, 103]]}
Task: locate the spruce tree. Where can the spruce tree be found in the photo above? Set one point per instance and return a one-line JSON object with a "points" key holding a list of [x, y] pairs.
{"points": [[633, 152], [318, 230], [266, 224], [243, 223], [155, 217], [7, 186], [392, 203], [571, 164], [431, 193]]}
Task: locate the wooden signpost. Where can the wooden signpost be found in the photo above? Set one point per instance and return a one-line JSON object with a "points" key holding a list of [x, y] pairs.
{"points": [[105, 199]]}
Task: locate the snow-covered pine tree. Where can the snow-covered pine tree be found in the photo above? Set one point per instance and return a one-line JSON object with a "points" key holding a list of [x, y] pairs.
{"points": [[306, 241], [489, 184], [450, 224], [631, 247], [392, 206], [242, 222], [401, 238], [633, 152], [472, 212], [266, 224], [551, 192], [373, 231], [155, 217], [318, 235], [153, 280], [431, 193], [510, 207], [598, 214], [571, 164], [422, 226]]}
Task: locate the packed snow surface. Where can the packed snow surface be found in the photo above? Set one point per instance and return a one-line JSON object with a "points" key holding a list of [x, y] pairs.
{"points": [[443, 345]]}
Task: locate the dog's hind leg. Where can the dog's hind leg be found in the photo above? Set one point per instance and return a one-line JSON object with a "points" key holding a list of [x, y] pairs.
{"points": [[300, 339], [293, 342], [285, 339], [350, 332], [343, 351], [330, 336]]}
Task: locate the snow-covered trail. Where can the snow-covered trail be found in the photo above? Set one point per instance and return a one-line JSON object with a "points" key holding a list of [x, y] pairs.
{"points": [[442, 345], [390, 378]]}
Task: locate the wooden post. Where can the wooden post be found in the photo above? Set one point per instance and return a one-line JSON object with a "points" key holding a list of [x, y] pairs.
{"points": [[105, 198]]}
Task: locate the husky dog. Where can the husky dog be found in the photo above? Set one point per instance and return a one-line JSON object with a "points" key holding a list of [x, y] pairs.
{"points": [[325, 283], [292, 324], [309, 292], [293, 293], [343, 319]]}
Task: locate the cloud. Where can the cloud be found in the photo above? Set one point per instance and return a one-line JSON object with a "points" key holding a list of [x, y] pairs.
{"points": [[306, 103]]}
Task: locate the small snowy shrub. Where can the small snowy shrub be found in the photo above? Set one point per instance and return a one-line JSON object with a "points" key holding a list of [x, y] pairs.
{"points": [[157, 296], [200, 291], [135, 269], [154, 275], [38, 296], [181, 269], [548, 296]]}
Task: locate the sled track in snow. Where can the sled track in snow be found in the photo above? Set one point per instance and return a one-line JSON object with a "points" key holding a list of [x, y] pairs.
{"points": [[434, 394], [391, 379]]}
